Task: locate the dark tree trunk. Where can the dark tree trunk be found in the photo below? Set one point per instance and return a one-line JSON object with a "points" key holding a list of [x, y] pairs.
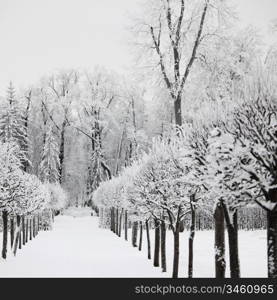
{"points": [[178, 111], [5, 233], [163, 246], [220, 263], [120, 223], [272, 244], [140, 235], [27, 231], [134, 234], [12, 230], [31, 229], [17, 238], [234, 250], [232, 229], [20, 237], [182, 226], [116, 219], [61, 153], [126, 225], [34, 227], [25, 147], [23, 231], [37, 225], [38, 228], [157, 244], [113, 220], [176, 252], [191, 240], [148, 240]]}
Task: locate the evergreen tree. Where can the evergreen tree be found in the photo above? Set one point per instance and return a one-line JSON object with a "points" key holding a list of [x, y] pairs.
{"points": [[12, 128], [49, 166]]}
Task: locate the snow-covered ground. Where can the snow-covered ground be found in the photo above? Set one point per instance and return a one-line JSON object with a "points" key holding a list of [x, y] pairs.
{"points": [[77, 211], [78, 248]]}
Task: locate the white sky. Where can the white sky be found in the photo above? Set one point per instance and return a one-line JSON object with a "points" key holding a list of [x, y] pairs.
{"points": [[38, 36]]}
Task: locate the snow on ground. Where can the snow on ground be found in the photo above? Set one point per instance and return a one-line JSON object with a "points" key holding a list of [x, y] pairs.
{"points": [[77, 211], [78, 248], [252, 251]]}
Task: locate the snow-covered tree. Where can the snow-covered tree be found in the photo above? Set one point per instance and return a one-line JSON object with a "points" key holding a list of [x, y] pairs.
{"points": [[10, 187], [226, 186], [159, 190], [12, 126], [254, 128], [32, 199], [171, 36], [49, 166], [58, 197]]}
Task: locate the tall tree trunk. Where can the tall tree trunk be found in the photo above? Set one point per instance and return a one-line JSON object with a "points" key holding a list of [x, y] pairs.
{"points": [[31, 229], [114, 222], [126, 225], [120, 223], [157, 244], [148, 239], [232, 229], [220, 264], [5, 233], [23, 231], [191, 240], [140, 235], [117, 223], [119, 148], [12, 230], [182, 226], [17, 234], [20, 237], [38, 228], [163, 246], [176, 252], [61, 153], [26, 164], [134, 234], [34, 227], [27, 231], [178, 110], [111, 219], [272, 244]]}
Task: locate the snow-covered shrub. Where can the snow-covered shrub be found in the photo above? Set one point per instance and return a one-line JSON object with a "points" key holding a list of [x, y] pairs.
{"points": [[58, 196]]}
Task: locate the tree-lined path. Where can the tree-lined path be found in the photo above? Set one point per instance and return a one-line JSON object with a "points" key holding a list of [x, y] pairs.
{"points": [[76, 247]]}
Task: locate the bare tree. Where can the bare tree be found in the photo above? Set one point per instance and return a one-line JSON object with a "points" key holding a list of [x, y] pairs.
{"points": [[172, 31]]}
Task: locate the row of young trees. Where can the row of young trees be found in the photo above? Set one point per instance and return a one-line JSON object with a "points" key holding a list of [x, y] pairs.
{"points": [[219, 167], [27, 205], [27, 202]]}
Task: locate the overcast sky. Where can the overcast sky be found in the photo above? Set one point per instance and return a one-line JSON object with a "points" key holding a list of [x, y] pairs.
{"points": [[38, 36]]}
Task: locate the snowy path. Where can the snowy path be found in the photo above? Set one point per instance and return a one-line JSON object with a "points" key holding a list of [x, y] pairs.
{"points": [[78, 248]]}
